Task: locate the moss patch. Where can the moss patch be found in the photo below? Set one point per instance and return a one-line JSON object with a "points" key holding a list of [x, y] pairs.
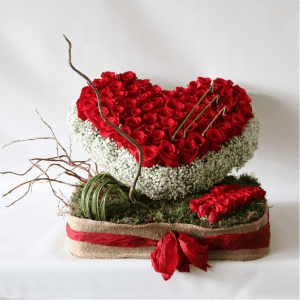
{"points": [[171, 211]]}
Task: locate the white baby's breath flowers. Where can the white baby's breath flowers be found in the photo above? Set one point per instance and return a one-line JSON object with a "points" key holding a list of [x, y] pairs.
{"points": [[165, 182]]}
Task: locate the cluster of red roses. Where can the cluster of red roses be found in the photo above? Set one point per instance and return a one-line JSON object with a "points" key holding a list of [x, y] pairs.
{"points": [[223, 199], [151, 116]]}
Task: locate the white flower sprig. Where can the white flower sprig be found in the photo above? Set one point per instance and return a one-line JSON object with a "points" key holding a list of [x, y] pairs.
{"points": [[160, 182]]}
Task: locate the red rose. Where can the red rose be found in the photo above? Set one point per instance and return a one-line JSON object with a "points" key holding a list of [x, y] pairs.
{"points": [[178, 116], [180, 91], [168, 94], [132, 90], [150, 153], [226, 128], [238, 90], [120, 139], [84, 104], [168, 155], [200, 143], [140, 137], [157, 136], [172, 104], [116, 85], [202, 81], [245, 110], [150, 118], [218, 190], [192, 128], [226, 91], [209, 114], [100, 83], [193, 204], [143, 84], [150, 127], [189, 106], [135, 112], [203, 124], [87, 91], [232, 187], [168, 124], [222, 208], [148, 107], [105, 129], [127, 77], [188, 99], [204, 210], [142, 97], [188, 151], [105, 93], [242, 98], [120, 95], [133, 122], [117, 110], [215, 138], [155, 90], [108, 103], [179, 136], [129, 103], [94, 115], [108, 75], [214, 216], [237, 122], [157, 101], [163, 112], [200, 93]]}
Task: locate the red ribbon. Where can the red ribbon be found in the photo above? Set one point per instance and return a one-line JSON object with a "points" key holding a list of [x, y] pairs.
{"points": [[177, 250]]}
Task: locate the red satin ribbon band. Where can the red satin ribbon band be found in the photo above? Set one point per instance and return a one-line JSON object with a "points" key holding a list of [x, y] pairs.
{"points": [[177, 250]]}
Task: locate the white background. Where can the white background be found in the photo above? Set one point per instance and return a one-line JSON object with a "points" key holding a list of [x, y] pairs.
{"points": [[252, 42]]}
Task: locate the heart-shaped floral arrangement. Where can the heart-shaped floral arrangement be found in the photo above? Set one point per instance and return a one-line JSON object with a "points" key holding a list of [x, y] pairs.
{"points": [[171, 127], [224, 199]]}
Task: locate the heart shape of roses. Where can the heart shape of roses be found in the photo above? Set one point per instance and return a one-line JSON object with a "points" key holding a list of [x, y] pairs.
{"points": [[151, 116]]}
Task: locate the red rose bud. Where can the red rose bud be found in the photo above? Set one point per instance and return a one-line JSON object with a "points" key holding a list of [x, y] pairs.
{"points": [[120, 139], [140, 137], [214, 216], [203, 210], [209, 115], [233, 187], [188, 151], [178, 116], [150, 153], [181, 91], [105, 129], [167, 156], [108, 103], [188, 99], [200, 93], [143, 84], [193, 126], [168, 94], [189, 106], [222, 208], [242, 98], [157, 136], [127, 77], [87, 91], [193, 85], [108, 75]]}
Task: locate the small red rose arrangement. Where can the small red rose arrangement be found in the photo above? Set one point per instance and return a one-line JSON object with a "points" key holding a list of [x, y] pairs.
{"points": [[151, 116], [224, 199]]}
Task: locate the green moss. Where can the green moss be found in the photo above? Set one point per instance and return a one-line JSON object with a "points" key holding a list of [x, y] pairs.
{"points": [[171, 211]]}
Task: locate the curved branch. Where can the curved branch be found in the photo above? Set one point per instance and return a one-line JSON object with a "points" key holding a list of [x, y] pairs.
{"points": [[131, 140]]}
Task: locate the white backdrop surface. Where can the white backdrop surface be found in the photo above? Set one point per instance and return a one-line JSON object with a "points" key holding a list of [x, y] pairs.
{"points": [[252, 42]]}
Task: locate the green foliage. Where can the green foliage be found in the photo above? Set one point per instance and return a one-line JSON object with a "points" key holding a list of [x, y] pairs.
{"points": [[171, 211]]}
